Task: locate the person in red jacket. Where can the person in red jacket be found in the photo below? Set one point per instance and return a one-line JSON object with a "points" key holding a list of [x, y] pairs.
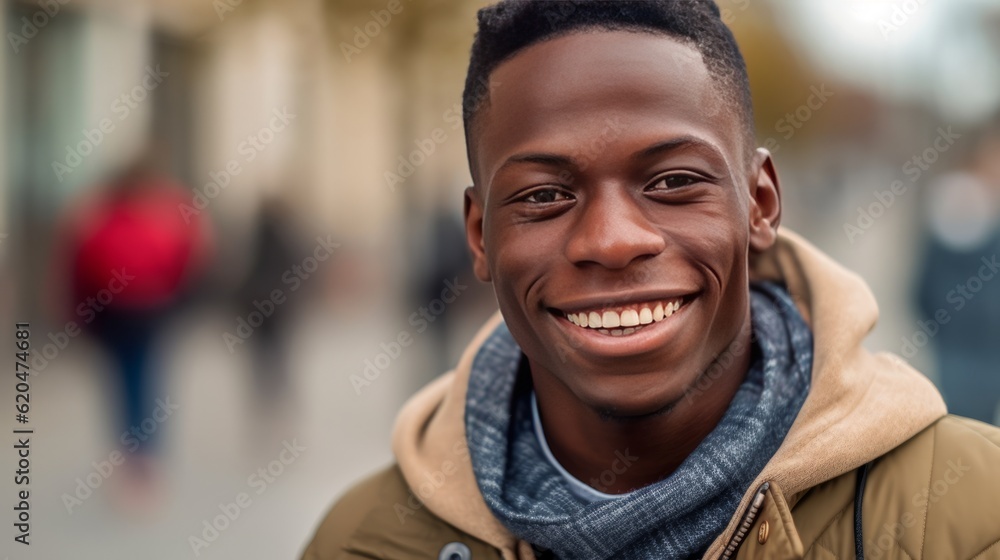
{"points": [[131, 254]]}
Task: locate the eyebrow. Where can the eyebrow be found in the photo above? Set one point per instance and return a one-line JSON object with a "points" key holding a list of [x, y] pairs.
{"points": [[541, 158], [660, 148], [679, 143]]}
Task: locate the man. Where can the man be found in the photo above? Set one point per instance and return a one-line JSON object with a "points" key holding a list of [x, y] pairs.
{"points": [[671, 377]]}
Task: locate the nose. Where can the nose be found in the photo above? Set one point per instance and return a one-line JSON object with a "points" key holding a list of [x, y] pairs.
{"points": [[613, 231]]}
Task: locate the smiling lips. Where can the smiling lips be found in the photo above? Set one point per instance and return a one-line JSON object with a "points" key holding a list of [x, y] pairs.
{"points": [[623, 322]]}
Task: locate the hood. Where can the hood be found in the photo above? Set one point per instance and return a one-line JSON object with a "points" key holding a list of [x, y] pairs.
{"points": [[860, 406]]}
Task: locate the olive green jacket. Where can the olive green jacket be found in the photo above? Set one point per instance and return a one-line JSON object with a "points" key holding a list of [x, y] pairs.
{"points": [[931, 482]]}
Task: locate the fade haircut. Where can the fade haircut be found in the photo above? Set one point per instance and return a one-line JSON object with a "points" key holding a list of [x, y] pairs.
{"points": [[510, 26]]}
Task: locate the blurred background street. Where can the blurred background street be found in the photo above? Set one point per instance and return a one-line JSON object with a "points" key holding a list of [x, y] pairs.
{"points": [[221, 217]]}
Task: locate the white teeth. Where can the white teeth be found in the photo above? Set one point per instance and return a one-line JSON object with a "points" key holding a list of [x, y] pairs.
{"points": [[595, 320], [630, 318], [645, 316], [610, 319]]}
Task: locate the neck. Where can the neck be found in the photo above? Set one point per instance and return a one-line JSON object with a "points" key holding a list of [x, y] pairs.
{"points": [[644, 450]]}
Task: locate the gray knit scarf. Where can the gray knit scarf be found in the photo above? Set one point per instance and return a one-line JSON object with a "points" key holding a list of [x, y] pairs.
{"points": [[677, 517]]}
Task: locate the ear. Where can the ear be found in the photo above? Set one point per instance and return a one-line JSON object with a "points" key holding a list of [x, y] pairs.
{"points": [[765, 202], [474, 233]]}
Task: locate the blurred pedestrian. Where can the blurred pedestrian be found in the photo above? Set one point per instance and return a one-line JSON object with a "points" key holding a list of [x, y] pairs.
{"points": [[959, 296], [273, 250], [132, 252]]}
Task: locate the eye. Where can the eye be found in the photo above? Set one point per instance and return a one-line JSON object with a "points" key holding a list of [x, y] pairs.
{"points": [[547, 196], [673, 182]]}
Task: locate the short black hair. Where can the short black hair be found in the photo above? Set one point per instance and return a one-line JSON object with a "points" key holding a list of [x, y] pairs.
{"points": [[507, 27]]}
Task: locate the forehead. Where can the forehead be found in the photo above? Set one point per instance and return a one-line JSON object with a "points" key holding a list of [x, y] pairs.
{"points": [[558, 93]]}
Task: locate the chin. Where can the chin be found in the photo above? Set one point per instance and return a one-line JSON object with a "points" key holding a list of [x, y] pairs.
{"points": [[628, 398]]}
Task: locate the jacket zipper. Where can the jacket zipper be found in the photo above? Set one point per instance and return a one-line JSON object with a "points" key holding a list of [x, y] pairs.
{"points": [[748, 519]]}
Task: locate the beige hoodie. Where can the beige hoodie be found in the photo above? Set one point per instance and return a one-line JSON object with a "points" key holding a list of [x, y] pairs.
{"points": [[859, 407]]}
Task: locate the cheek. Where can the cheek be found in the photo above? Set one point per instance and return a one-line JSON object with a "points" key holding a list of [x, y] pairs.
{"points": [[716, 236], [514, 263], [515, 266], [518, 250]]}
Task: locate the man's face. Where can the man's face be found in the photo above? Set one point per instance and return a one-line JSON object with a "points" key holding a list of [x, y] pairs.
{"points": [[613, 186]]}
